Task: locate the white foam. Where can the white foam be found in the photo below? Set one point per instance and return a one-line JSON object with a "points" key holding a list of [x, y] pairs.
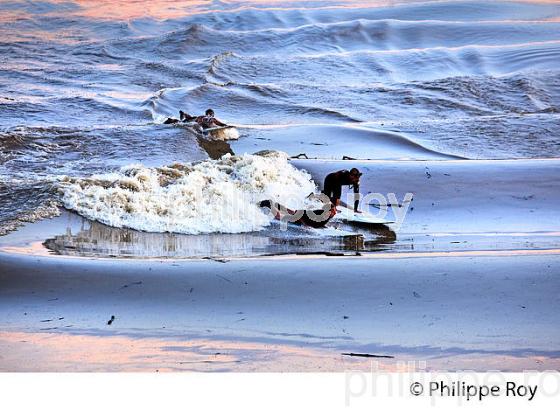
{"points": [[209, 196]]}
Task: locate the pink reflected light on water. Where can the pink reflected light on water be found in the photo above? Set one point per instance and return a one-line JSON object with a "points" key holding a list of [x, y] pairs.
{"points": [[166, 9]]}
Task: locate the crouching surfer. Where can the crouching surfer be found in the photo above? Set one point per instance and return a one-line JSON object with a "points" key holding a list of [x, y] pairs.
{"points": [[332, 187], [315, 218], [208, 120]]}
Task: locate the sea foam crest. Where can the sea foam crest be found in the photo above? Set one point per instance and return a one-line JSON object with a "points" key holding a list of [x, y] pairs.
{"points": [[209, 196]]}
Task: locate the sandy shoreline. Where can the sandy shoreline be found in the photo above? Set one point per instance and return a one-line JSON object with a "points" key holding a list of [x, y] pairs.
{"points": [[287, 315]]}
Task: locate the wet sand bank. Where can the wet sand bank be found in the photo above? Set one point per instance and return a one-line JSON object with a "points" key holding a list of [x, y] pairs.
{"points": [[454, 313]]}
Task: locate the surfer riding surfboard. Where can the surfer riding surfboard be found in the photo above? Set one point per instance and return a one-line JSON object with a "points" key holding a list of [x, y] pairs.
{"points": [[206, 121]]}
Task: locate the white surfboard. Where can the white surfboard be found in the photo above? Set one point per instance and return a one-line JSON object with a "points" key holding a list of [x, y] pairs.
{"points": [[197, 127], [229, 132], [225, 133], [348, 215], [207, 130]]}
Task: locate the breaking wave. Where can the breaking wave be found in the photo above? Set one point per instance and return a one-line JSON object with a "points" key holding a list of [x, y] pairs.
{"points": [[193, 198]]}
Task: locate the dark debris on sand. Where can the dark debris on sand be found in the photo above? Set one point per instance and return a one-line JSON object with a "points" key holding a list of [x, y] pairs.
{"points": [[377, 356]]}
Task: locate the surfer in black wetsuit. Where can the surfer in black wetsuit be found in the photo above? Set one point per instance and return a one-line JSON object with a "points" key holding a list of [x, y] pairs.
{"points": [[318, 218], [334, 182], [205, 121], [315, 218]]}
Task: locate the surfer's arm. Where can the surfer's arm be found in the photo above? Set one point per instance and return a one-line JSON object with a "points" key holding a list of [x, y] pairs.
{"points": [[219, 123], [356, 197]]}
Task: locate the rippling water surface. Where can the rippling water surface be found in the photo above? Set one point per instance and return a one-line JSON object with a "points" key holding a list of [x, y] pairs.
{"points": [[85, 85]]}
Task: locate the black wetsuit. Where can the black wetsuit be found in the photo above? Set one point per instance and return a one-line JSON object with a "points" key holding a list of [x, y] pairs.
{"points": [[305, 219], [183, 117], [205, 121], [333, 186]]}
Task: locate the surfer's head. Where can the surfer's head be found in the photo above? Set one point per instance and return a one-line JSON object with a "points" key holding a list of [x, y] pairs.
{"points": [[209, 112], [355, 175]]}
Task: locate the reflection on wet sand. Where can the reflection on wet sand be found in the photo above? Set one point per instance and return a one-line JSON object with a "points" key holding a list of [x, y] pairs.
{"points": [[96, 239], [64, 352], [42, 352]]}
